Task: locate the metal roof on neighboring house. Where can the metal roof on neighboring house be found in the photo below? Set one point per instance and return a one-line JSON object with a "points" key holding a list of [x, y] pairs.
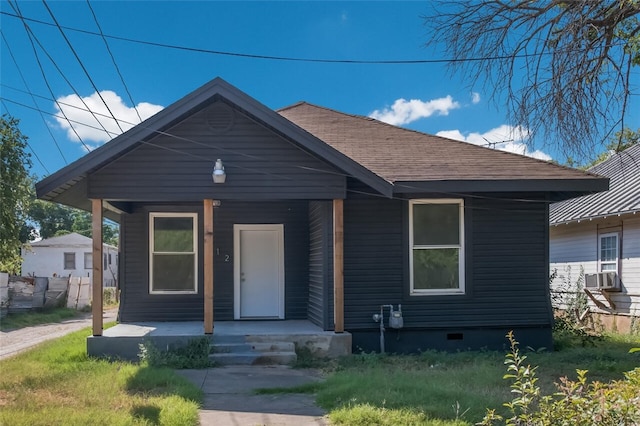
{"points": [[623, 197]]}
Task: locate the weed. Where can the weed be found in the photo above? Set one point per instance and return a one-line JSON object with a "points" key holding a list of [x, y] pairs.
{"points": [[574, 402], [195, 354]]}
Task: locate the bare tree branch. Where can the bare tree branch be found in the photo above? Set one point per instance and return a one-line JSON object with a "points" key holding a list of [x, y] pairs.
{"points": [[564, 66]]}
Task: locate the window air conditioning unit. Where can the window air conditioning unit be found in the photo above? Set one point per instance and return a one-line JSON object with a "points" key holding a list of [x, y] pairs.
{"points": [[601, 281]]}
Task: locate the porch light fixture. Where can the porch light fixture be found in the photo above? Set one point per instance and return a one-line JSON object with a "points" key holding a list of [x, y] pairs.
{"points": [[219, 176]]}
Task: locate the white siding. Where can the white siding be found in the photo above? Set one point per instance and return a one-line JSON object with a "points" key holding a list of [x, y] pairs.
{"points": [[47, 260], [575, 245]]}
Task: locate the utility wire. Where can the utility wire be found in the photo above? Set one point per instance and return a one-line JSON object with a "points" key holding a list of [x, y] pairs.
{"points": [[113, 59], [81, 64], [73, 89], [24, 81], [290, 58], [35, 154], [35, 52], [31, 36], [209, 145], [64, 77]]}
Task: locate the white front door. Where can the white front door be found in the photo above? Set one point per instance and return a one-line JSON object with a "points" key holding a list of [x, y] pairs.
{"points": [[258, 271]]}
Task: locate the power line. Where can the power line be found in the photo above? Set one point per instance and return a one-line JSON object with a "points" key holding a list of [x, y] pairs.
{"points": [[24, 81], [81, 64], [113, 59], [64, 77], [209, 145], [31, 37], [35, 52], [35, 154], [290, 58]]}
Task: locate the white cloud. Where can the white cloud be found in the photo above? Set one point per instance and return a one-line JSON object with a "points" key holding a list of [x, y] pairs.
{"points": [[91, 128], [475, 97], [505, 138], [404, 112]]}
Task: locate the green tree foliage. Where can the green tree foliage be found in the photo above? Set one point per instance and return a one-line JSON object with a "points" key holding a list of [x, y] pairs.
{"points": [[55, 219], [622, 140], [15, 187], [565, 67]]}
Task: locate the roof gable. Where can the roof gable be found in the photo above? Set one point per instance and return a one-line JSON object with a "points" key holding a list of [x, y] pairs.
{"points": [[72, 239], [623, 170], [69, 179]]}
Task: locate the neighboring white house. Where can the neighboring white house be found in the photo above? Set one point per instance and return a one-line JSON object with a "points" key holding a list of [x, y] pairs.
{"points": [[601, 234], [66, 255]]}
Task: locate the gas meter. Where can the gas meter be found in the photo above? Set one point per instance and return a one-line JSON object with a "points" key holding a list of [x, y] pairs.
{"points": [[395, 318]]}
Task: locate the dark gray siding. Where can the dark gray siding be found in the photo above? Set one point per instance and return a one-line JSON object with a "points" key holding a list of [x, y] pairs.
{"points": [[506, 267], [136, 304], [373, 259], [139, 305], [177, 166], [320, 309]]}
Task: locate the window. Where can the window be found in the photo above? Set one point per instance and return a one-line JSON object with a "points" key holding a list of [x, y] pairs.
{"points": [[69, 261], [608, 252], [173, 253], [88, 261], [436, 236]]}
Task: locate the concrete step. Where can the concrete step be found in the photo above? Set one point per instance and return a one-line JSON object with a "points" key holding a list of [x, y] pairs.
{"points": [[253, 347], [253, 358], [235, 350]]}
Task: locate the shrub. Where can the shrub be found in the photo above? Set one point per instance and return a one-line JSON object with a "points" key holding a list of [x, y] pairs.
{"points": [[575, 402]]}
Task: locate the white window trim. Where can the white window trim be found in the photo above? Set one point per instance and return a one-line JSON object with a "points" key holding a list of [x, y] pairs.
{"points": [[617, 261], [461, 269], [152, 217]]}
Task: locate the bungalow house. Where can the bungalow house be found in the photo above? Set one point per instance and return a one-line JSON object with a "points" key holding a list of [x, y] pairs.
{"points": [[312, 214], [68, 255], [599, 234]]}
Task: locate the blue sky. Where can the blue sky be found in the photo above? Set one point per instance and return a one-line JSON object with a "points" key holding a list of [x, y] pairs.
{"points": [[423, 97]]}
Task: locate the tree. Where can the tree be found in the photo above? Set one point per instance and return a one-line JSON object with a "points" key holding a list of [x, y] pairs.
{"points": [[622, 140], [51, 220], [15, 188], [564, 66]]}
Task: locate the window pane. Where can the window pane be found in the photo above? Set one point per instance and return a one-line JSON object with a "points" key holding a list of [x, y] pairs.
{"points": [[608, 248], [173, 272], [436, 224], [435, 269], [69, 261], [608, 267], [88, 260], [173, 234]]}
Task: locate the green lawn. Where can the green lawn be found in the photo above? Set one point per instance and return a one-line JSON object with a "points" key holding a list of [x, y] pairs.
{"points": [[437, 388], [58, 384], [27, 319]]}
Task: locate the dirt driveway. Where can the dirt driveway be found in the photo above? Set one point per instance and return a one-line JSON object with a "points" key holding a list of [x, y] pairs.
{"points": [[16, 341]]}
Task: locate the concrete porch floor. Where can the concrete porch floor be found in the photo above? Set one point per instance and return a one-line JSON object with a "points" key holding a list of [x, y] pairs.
{"points": [[123, 340]]}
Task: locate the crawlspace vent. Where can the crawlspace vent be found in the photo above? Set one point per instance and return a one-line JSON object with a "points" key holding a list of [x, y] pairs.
{"points": [[220, 118]]}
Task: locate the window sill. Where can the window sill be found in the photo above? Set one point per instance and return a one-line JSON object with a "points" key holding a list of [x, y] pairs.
{"points": [[437, 293], [173, 292]]}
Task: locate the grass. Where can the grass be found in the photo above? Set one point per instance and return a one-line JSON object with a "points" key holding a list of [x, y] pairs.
{"points": [[450, 389], [27, 319], [58, 384]]}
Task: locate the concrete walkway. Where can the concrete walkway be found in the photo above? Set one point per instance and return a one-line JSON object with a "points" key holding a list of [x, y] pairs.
{"points": [[229, 398], [16, 341]]}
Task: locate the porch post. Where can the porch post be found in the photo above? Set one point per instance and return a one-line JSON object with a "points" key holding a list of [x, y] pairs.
{"points": [[96, 233], [208, 266], [338, 259]]}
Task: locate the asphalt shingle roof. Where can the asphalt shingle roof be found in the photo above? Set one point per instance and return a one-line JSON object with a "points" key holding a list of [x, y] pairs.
{"points": [[397, 154], [623, 197]]}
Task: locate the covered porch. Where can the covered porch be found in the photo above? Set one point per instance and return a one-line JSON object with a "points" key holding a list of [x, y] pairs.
{"points": [[237, 342]]}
